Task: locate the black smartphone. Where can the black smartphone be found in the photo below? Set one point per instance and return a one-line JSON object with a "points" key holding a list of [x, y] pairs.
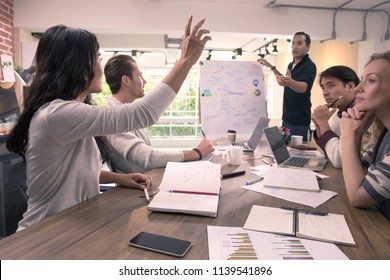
{"points": [[161, 244]]}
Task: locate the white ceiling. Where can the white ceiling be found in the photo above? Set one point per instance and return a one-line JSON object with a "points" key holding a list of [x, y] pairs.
{"points": [[250, 44], [230, 36]]}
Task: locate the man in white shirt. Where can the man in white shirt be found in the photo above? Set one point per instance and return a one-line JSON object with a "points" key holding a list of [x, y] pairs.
{"points": [[132, 151]]}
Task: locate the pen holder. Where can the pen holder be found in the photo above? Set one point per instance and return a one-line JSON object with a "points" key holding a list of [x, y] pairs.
{"points": [[286, 135]]}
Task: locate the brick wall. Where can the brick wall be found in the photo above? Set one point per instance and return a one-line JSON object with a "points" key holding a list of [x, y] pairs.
{"points": [[6, 28]]}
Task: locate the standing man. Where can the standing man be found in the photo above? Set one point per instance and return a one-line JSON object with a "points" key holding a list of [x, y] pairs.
{"points": [[297, 84]]}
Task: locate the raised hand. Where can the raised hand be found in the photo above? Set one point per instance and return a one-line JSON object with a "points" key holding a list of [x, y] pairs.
{"points": [[194, 41]]}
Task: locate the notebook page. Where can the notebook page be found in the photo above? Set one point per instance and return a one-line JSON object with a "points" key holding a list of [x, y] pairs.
{"points": [[270, 219], [201, 176], [331, 228]]}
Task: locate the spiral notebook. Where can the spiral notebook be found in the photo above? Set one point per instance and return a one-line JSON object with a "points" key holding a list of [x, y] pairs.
{"points": [[190, 188], [300, 223]]}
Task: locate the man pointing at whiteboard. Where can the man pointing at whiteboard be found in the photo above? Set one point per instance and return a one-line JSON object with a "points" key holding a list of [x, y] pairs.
{"points": [[297, 84]]}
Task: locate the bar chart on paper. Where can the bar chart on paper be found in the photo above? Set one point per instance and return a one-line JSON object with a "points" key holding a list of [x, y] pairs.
{"points": [[235, 243], [231, 244], [290, 249], [240, 246]]}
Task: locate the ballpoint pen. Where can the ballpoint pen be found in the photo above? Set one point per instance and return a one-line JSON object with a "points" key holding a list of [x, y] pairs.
{"points": [[254, 181], [146, 195], [268, 156], [233, 174], [266, 162], [145, 190], [312, 212], [193, 192], [333, 102], [251, 158]]}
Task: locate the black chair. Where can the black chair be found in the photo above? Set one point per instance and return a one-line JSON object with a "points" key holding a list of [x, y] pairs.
{"points": [[13, 197]]}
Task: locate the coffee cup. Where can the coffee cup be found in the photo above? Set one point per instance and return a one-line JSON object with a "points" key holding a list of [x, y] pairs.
{"points": [[296, 140], [231, 135], [234, 155]]}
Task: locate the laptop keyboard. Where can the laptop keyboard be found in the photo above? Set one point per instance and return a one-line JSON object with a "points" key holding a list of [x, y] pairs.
{"points": [[296, 161], [245, 146]]}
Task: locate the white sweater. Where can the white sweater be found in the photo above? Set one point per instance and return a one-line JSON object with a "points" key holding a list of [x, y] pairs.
{"points": [[132, 151], [63, 160]]}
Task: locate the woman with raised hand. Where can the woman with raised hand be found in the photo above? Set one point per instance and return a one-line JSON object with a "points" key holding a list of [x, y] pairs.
{"points": [[55, 132]]}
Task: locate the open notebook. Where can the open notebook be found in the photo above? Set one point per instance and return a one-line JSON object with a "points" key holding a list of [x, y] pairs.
{"points": [[189, 187], [300, 223]]}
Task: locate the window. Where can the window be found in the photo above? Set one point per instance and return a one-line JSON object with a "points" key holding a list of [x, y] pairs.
{"points": [[179, 125]]}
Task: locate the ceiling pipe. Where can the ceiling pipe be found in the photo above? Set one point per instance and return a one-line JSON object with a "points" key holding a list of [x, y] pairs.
{"points": [[364, 36], [334, 22], [273, 4]]}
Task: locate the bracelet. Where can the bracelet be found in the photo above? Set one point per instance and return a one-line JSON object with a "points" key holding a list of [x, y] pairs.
{"points": [[273, 68], [198, 152]]}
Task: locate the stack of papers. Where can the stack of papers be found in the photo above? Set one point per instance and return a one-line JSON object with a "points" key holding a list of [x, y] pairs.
{"points": [[290, 178], [309, 198]]}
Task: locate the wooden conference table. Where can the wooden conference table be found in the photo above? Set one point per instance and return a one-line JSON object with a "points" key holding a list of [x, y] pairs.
{"points": [[101, 227]]}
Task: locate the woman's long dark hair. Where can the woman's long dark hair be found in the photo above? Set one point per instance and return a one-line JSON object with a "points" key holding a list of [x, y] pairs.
{"points": [[65, 66]]}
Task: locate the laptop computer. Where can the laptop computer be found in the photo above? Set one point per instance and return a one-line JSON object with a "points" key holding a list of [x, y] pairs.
{"points": [[282, 156], [254, 140]]}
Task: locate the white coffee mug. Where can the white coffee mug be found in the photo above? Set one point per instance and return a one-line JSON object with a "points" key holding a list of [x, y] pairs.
{"points": [[296, 140], [234, 155]]}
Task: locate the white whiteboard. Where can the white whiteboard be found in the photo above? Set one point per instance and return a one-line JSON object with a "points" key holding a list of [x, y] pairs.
{"points": [[232, 96]]}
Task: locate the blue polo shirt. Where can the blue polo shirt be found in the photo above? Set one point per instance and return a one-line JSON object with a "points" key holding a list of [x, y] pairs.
{"points": [[297, 106]]}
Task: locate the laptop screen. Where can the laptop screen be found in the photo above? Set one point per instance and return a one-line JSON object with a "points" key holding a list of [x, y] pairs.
{"points": [[276, 142], [258, 132]]}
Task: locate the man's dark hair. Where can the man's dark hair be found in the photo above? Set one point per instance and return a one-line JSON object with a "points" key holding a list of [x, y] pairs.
{"points": [[307, 36], [116, 67], [343, 73]]}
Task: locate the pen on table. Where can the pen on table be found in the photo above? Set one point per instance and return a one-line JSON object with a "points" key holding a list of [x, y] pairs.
{"points": [[266, 162], [233, 174], [268, 156], [193, 192], [251, 182], [312, 212], [252, 158], [334, 101]]}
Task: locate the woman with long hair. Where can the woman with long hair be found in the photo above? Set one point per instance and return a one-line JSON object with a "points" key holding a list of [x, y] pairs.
{"points": [[55, 132], [371, 187]]}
